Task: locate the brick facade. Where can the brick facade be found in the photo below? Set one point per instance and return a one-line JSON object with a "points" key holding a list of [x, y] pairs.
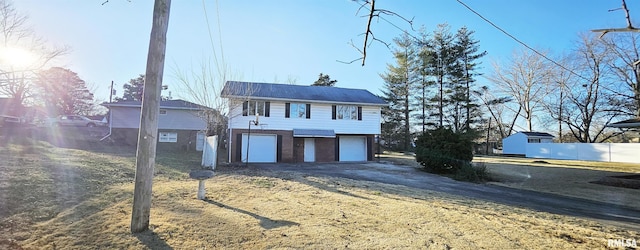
{"points": [[129, 137], [285, 143], [291, 149]]}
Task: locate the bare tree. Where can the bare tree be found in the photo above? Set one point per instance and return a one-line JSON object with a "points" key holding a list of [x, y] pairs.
{"points": [[496, 106], [204, 86], [625, 64], [19, 41], [525, 77], [587, 109]]}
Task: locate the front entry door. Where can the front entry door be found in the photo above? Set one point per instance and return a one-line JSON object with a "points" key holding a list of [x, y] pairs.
{"points": [[309, 150]]}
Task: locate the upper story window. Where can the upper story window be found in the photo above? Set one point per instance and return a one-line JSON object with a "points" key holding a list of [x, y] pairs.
{"points": [[533, 140], [346, 112], [297, 110], [251, 108]]}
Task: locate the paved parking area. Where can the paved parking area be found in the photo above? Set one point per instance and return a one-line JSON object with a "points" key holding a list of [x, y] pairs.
{"points": [[409, 176]]}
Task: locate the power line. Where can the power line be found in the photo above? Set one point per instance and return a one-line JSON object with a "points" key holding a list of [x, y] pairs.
{"points": [[521, 42]]}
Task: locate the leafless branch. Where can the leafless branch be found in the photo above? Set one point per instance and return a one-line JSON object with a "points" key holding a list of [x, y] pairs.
{"points": [[350, 62], [629, 27], [374, 13]]}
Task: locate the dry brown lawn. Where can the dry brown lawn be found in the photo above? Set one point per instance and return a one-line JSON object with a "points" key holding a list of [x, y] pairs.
{"points": [[251, 209], [569, 178]]}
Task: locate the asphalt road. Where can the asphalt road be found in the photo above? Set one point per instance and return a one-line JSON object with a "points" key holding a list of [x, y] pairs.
{"points": [[611, 214]]}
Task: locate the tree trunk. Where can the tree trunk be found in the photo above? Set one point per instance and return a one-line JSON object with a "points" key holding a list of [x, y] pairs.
{"points": [[147, 138]]}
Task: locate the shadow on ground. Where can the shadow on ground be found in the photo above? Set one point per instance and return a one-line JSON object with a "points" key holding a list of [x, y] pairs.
{"points": [[265, 222]]}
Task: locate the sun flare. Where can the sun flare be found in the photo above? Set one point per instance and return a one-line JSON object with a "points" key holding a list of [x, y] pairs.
{"points": [[16, 57]]}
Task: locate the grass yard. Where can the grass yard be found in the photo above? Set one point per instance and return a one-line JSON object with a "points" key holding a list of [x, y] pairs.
{"points": [[59, 198]]}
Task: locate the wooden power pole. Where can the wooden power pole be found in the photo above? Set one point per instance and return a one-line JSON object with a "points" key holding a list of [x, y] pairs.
{"points": [[148, 134]]}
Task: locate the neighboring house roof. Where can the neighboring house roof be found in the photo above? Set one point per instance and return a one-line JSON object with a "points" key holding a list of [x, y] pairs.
{"points": [[272, 91], [537, 134], [168, 104], [631, 123]]}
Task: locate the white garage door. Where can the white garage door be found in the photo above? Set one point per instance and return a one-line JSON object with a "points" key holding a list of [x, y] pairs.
{"points": [[353, 148], [262, 148]]}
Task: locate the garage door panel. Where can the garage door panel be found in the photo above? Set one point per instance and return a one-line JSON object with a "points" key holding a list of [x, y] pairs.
{"points": [[262, 148], [353, 148]]}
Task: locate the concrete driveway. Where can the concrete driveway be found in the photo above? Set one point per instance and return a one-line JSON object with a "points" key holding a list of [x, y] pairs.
{"points": [[622, 216]]}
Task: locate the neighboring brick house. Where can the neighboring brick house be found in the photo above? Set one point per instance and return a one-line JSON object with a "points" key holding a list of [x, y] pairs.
{"points": [[301, 123], [180, 124]]}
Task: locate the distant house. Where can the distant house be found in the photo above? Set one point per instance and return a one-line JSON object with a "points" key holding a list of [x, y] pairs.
{"points": [[180, 123], [301, 123], [517, 143], [633, 123]]}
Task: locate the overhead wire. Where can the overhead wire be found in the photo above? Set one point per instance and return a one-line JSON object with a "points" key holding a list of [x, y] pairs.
{"points": [[213, 48]]}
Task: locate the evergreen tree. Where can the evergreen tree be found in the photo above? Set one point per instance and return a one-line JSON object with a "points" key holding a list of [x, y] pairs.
{"points": [[398, 90], [468, 54], [63, 92], [441, 64], [425, 81], [324, 80], [133, 90]]}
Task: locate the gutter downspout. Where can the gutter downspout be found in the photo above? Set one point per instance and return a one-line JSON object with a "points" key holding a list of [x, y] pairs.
{"points": [[110, 122]]}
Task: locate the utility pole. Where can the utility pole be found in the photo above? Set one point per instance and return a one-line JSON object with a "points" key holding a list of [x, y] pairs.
{"points": [[148, 134]]}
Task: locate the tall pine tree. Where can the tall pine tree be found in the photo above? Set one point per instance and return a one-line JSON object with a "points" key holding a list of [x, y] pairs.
{"points": [[400, 80], [468, 54]]}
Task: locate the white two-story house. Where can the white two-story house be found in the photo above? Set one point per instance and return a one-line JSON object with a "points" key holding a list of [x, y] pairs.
{"points": [[301, 123]]}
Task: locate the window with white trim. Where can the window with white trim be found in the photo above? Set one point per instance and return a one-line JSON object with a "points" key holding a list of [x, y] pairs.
{"points": [[167, 137], [251, 108], [346, 112], [297, 110]]}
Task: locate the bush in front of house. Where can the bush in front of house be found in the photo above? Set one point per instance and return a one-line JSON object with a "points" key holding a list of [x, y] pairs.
{"points": [[443, 151], [472, 173]]}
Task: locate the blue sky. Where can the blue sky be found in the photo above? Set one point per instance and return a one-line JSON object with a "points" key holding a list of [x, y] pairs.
{"points": [[293, 40]]}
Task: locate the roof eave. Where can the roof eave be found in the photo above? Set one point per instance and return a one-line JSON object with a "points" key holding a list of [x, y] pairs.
{"points": [[107, 105], [303, 100], [625, 125]]}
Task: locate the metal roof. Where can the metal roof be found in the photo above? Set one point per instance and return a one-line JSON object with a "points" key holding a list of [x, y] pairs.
{"points": [[254, 90], [326, 133], [538, 134], [168, 104], [631, 123]]}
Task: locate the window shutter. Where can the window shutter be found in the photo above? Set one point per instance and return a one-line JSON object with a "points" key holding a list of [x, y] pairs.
{"points": [[267, 109], [337, 148], [369, 148], [279, 148], [245, 108], [308, 109], [238, 143], [287, 109], [333, 112], [359, 113]]}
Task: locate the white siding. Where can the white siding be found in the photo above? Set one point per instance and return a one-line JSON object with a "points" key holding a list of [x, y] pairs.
{"points": [[515, 144], [320, 119], [128, 117]]}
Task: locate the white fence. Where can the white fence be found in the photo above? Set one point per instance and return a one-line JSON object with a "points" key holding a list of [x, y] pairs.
{"points": [[611, 152], [210, 152]]}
